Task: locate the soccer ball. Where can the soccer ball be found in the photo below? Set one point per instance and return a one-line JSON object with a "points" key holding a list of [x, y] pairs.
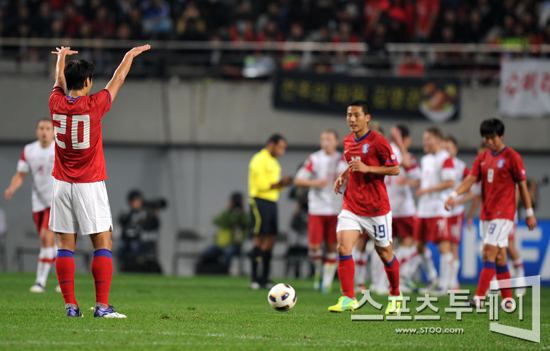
{"points": [[282, 297]]}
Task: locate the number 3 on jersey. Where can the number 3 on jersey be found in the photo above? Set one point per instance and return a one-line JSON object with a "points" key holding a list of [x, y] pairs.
{"points": [[76, 120]]}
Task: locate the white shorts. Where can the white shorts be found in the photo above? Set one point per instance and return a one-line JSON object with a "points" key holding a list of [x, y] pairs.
{"points": [[496, 231], [378, 228], [80, 208]]}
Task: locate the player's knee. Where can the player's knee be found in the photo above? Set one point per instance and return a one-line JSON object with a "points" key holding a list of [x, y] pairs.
{"points": [[344, 250]]}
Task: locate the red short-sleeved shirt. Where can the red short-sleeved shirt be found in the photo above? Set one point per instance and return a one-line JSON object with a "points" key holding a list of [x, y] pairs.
{"points": [[366, 194], [77, 128], [498, 174]]}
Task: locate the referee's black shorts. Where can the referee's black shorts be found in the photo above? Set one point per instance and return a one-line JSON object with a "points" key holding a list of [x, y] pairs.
{"points": [[264, 216]]}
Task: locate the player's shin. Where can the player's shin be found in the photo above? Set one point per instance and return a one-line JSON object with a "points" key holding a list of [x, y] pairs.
{"points": [[65, 275], [445, 268], [45, 259], [504, 274], [102, 271], [487, 274], [316, 257], [329, 268], [428, 264], [346, 272], [392, 271]]}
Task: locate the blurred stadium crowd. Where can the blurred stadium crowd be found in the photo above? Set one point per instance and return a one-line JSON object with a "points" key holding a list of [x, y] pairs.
{"points": [[375, 22]]}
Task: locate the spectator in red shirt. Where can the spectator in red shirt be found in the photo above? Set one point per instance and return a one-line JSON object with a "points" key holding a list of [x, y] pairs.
{"points": [[372, 12], [410, 67], [427, 12], [402, 11]]}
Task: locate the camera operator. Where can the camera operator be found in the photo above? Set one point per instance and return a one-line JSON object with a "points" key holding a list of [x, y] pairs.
{"points": [[140, 225]]}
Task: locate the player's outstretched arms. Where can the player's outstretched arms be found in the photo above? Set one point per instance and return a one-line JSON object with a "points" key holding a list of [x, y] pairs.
{"points": [[60, 66], [530, 219], [122, 71], [462, 188], [16, 182]]}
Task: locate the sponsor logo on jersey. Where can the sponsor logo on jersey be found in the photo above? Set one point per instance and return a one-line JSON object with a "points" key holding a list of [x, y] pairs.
{"points": [[345, 151], [365, 148], [500, 163]]}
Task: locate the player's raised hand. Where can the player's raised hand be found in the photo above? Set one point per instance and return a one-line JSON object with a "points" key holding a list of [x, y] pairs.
{"points": [[64, 50], [138, 50]]}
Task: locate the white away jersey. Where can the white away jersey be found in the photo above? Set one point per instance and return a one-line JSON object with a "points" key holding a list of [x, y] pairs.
{"points": [[436, 168], [401, 197], [39, 162], [461, 172], [320, 165]]}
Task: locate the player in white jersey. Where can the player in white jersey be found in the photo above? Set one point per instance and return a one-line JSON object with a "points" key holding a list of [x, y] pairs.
{"points": [[435, 186], [402, 203], [318, 173], [38, 159], [456, 218]]}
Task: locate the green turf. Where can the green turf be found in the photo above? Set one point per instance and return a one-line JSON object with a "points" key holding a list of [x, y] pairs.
{"points": [[168, 313]]}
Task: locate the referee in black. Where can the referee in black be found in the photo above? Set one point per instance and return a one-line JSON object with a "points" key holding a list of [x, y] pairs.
{"points": [[264, 186]]}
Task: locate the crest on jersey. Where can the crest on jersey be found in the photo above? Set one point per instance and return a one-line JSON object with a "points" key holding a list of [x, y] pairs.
{"points": [[365, 148], [500, 163]]}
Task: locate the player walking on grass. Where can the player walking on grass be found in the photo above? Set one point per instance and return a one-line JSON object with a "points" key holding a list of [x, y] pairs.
{"points": [[402, 204], [456, 219], [319, 173], [499, 169], [366, 205], [79, 199], [437, 176], [38, 159]]}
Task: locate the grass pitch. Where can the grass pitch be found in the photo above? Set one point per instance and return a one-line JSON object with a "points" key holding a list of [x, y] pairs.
{"points": [[206, 313]]}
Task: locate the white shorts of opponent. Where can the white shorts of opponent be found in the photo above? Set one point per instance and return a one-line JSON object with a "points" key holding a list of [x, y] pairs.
{"points": [[496, 231], [378, 228], [80, 208]]}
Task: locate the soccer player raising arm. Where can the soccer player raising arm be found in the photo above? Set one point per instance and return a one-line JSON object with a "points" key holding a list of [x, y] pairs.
{"points": [[79, 196], [499, 169]]}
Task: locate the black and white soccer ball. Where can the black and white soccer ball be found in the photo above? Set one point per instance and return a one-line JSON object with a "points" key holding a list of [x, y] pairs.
{"points": [[282, 297]]}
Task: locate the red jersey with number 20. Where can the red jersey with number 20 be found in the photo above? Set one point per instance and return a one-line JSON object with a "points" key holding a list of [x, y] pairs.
{"points": [[77, 128], [498, 174], [366, 194]]}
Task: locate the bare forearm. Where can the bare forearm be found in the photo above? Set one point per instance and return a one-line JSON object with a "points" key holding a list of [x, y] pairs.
{"points": [[383, 170], [60, 73], [524, 193], [466, 185], [16, 181], [441, 186], [120, 76]]}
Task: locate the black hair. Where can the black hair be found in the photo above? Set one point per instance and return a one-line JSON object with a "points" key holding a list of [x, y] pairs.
{"points": [[76, 73], [363, 104], [236, 199], [43, 120], [134, 194], [435, 131], [452, 139], [490, 127], [404, 130], [275, 138]]}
